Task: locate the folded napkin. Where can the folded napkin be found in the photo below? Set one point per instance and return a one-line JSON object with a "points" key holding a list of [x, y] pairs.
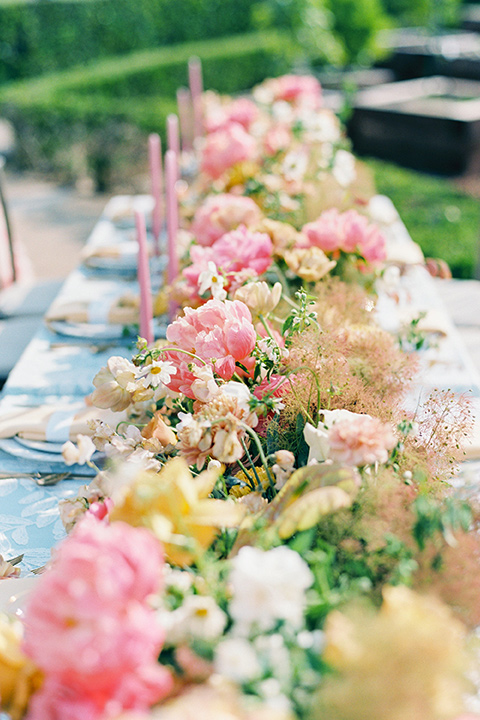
{"points": [[435, 320], [121, 208], [127, 250], [120, 309], [54, 423], [404, 253]]}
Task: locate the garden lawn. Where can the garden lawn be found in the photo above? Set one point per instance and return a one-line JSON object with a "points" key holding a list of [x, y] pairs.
{"points": [[444, 221]]}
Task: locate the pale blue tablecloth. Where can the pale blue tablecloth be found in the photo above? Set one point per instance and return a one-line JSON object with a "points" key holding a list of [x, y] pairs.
{"points": [[29, 518], [53, 367]]}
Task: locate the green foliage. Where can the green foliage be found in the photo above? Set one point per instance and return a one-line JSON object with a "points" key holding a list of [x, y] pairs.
{"points": [[47, 36], [431, 13], [95, 117], [433, 520], [310, 25], [331, 32], [356, 24], [443, 220]]}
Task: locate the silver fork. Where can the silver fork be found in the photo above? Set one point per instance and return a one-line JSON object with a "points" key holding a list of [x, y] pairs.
{"points": [[42, 479]]}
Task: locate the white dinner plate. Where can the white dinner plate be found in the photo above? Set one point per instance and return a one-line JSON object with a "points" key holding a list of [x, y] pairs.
{"points": [[42, 459], [14, 593], [41, 445], [103, 331]]}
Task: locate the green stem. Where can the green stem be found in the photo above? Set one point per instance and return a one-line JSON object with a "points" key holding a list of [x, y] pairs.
{"points": [[257, 442], [265, 325], [247, 453], [292, 372], [247, 475], [185, 352]]}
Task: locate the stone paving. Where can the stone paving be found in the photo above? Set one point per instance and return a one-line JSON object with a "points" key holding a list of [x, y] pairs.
{"points": [[51, 221]]}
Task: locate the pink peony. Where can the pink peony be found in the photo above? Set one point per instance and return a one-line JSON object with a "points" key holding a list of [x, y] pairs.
{"points": [[66, 700], [277, 138], [220, 333], [242, 111], [226, 147], [349, 232], [221, 213], [235, 252], [360, 440], [276, 386], [88, 625], [295, 89]]}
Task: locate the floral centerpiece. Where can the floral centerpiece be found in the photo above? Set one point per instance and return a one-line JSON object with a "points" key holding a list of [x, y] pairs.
{"points": [[273, 535]]}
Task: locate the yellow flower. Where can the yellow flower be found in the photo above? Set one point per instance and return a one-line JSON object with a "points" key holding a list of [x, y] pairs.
{"points": [[19, 678], [311, 264], [160, 303], [175, 506], [241, 172], [406, 661], [241, 490], [282, 234]]}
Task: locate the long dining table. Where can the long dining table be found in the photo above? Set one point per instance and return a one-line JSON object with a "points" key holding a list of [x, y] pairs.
{"points": [[58, 366]]}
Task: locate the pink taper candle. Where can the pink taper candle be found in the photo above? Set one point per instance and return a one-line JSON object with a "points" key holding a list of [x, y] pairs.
{"points": [[196, 90], [184, 104], [173, 135], [156, 181], [171, 173], [146, 306]]}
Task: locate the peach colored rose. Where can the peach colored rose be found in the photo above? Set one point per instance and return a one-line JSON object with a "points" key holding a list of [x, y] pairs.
{"points": [[360, 440], [226, 147], [221, 213], [311, 264]]}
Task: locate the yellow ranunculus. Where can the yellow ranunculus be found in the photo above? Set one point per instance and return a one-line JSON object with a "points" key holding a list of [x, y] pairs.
{"points": [[175, 506], [406, 661], [19, 677]]}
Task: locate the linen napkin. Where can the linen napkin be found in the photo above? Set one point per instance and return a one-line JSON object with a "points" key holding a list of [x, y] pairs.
{"points": [[124, 250], [121, 208], [54, 423], [121, 309]]}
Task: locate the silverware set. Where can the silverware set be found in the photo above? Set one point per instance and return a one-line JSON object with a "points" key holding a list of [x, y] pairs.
{"points": [[17, 560], [41, 479]]}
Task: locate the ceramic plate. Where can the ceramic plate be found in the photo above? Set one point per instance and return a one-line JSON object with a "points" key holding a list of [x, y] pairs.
{"points": [[101, 331], [43, 460], [14, 592], [40, 445]]}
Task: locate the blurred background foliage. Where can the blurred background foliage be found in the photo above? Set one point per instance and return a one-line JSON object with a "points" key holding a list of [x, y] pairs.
{"points": [[49, 35], [84, 81]]}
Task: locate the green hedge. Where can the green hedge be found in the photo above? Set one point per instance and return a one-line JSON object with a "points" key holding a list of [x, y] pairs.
{"points": [[229, 65], [94, 119], [41, 37]]}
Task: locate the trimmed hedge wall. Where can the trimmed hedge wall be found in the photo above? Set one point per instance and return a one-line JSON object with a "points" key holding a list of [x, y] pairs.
{"points": [[229, 65], [41, 37], [93, 120]]}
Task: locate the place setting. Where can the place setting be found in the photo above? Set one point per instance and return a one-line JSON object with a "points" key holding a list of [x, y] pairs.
{"points": [[32, 437]]}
